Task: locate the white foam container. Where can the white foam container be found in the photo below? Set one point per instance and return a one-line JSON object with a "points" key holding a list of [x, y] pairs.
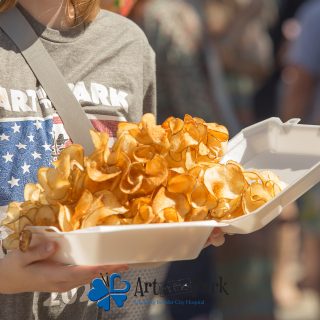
{"points": [[289, 149]]}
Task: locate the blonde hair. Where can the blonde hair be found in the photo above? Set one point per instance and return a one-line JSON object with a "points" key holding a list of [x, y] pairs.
{"points": [[84, 10]]}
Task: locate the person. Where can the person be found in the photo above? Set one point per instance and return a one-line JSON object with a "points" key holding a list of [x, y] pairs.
{"points": [[189, 77], [109, 66], [266, 99], [302, 68], [239, 32], [300, 99]]}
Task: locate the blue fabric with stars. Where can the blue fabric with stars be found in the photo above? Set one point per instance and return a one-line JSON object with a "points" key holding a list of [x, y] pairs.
{"points": [[25, 146]]}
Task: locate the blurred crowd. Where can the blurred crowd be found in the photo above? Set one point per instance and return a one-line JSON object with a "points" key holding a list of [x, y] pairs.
{"points": [[237, 62]]}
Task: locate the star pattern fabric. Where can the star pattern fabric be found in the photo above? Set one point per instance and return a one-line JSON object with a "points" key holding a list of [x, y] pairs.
{"points": [[25, 146]]}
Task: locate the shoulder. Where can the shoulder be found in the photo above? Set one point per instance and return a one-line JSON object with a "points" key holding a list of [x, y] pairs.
{"points": [[173, 24], [112, 24]]}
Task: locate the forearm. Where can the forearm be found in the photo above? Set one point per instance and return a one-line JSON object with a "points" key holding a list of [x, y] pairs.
{"points": [[4, 288]]}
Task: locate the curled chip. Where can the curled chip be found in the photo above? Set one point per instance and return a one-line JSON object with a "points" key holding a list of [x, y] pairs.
{"points": [[164, 200], [255, 197], [165, 173], [225, 181]]}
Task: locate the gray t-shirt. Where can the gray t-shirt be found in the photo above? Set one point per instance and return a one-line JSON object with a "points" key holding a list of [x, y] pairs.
{"points": [[109, 67]]}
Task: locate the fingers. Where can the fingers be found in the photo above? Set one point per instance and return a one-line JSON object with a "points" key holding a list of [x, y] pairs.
{"points": [[40, 252], [63, 278], [216, 238], [217, 241]]}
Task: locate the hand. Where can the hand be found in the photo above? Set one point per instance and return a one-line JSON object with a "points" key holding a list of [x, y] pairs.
{"points": [[31, 271], [216, 238]]}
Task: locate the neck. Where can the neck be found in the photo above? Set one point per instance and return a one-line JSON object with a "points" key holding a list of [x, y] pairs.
{"points": [[54, 14]]}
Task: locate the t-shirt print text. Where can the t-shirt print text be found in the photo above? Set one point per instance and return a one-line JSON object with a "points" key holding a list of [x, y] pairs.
{"points": [[69, 297], [94, 94]]}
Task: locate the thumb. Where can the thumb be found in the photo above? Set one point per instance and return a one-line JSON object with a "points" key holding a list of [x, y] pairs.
{"points": [[40, 252]]}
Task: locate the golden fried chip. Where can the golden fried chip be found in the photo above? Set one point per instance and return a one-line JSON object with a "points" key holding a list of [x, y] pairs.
{"points": [[143, 153], [64, 218], [197, 214], [165, 199], [172, 215], [224, 181], [32, 192], [255, 197], [11, 242], [156, 171], [181, 183], [46, 216], [100, 139]]}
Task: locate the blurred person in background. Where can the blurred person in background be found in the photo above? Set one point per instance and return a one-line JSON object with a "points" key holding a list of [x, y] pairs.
{"points": [[189, 81], [301, 99], [287, 262], [189, 77], [266, 100], [239, 31], [301, 75]]}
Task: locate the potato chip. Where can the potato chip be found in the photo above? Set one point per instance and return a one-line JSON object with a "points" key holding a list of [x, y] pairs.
{"points": [[13, 213], [255, 197], [100, 139], [224, 181], [111, 220], [172, 215], [173, 125], [197, 214], [111, 202], [144, 214], [83, 206], [46, 216], [164, 199], [181, 183], [96, 217], [64, 218], [144, 153], [11, 242], [32, 192], [156, 171]]}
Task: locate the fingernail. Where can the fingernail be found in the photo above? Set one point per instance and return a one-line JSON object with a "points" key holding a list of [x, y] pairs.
{"points": [[49, 246]]}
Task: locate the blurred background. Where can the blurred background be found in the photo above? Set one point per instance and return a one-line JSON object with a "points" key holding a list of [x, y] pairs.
{"points": [[237, 62]]}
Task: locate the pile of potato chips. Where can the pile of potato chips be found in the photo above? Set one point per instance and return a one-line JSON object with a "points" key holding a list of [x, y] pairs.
{"points": [[153, 174]]}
